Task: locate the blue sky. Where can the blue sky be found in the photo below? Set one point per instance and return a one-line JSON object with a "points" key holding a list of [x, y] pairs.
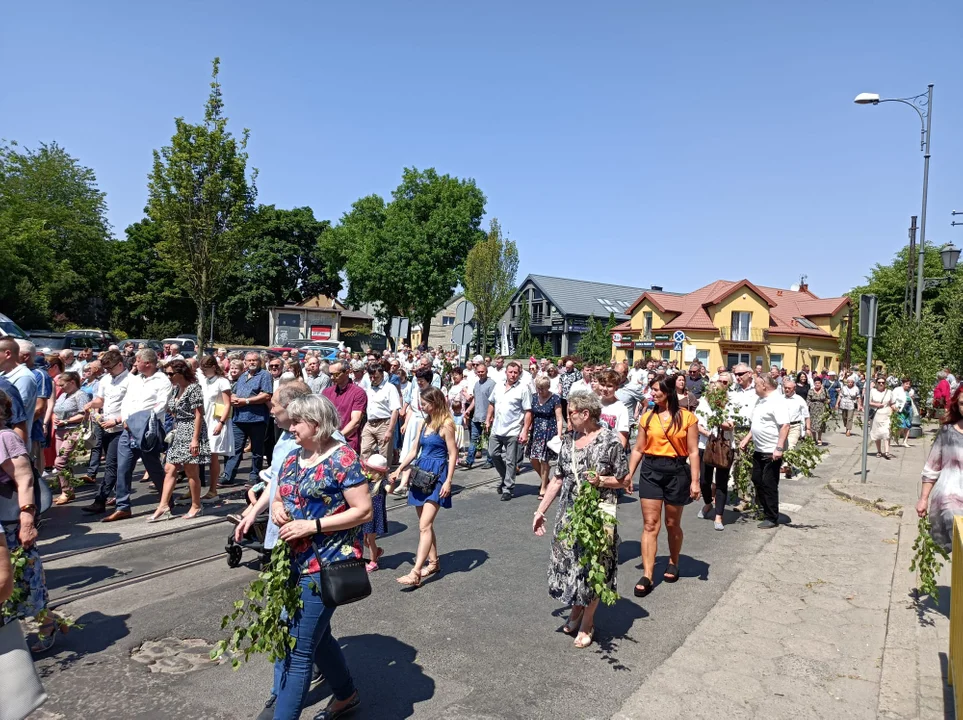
{"points": [[628, 142]]}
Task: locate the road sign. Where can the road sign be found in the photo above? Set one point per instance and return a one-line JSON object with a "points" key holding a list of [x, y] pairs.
{"points": [[462, 334], [399, 327], [678, 347], [617, 337], [464, 312], [867, 316], [679, 337]]}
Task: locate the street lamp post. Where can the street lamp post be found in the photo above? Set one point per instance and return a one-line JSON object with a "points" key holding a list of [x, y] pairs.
{"points": [[923, 105]]}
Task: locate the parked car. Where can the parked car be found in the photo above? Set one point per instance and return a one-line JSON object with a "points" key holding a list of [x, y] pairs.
{"points": [[8, 328], [154, 345], [187, 345], [105, 338], [49, 342]]}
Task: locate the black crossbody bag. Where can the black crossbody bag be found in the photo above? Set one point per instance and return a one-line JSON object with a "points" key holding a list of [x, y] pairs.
{"points": [[342, 582], [422, 480]]}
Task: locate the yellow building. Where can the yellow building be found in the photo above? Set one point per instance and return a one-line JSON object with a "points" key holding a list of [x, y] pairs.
{"points": [[727, 322]]}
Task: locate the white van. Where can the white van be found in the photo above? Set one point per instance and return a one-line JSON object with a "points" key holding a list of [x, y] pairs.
{"points": [[8, 328]]}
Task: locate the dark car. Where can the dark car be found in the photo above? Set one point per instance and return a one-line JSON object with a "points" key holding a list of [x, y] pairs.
{"points": [[154, 345], [49, 342]]}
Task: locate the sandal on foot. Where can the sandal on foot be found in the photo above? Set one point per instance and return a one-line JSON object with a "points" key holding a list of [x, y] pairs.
{"points": [[584, 639], [210, 495], [643, 587], [412, 579], [64, 498], [573, 624], [887, 456], [432, 568], [671, 573], [879, 455]]}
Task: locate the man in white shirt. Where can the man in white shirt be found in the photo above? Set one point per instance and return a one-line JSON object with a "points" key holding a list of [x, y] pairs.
{"points": [[384, 406], [71, 363], [508, 422], [109, 397], [769, 431], [585, 384], [497, 370], [742, 397], [148, 390], [798, 413]]}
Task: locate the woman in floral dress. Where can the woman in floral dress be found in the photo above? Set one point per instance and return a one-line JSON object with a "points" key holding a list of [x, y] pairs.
{"points": [[818, 402], [190, 447], [591, 453], [942, 493], [546, 420]]}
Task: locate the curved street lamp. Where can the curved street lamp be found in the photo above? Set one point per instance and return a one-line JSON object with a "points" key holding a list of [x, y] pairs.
{"points": [[923, 105]]}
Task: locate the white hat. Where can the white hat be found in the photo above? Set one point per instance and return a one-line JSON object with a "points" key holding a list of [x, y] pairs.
{"points": [[376, 463], [478, 359]]}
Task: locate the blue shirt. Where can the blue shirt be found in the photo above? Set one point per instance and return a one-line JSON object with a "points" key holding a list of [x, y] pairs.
{"points": [[22, 378], [248, 386], [17, 412]]}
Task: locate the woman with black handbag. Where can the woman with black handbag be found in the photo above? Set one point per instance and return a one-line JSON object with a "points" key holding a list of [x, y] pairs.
{"points": [[432, 458], [322, 500]]}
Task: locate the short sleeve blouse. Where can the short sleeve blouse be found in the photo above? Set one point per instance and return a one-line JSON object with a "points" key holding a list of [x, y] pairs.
{"points": [[656, 440], [11, 446], [309, 493]]}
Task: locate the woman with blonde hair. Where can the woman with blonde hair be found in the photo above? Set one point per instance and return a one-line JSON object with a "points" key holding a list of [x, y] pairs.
{"points": [[433, 452]]}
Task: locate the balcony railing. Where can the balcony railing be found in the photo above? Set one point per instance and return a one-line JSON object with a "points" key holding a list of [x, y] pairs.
{"points": [[745, 335]]}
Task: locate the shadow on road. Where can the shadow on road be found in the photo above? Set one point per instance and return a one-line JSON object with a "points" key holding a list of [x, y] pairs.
{"points": [[98, 633], [386, 675], [79, 578]]}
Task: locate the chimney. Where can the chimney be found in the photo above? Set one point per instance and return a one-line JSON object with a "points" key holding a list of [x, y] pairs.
{"points": [[803, 287], [656, 288]]}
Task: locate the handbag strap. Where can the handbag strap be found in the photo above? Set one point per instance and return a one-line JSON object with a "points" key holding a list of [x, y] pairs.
{"points": [[667, 437]]}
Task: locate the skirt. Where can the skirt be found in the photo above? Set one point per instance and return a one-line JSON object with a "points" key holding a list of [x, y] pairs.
{"points": [[379, 519]]}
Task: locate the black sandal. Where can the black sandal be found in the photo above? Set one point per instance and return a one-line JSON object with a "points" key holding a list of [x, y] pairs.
{"points": [[671, 573], [646, 587]]}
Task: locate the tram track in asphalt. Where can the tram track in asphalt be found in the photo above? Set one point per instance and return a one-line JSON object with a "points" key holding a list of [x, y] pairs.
{"points": [[126, 579]]}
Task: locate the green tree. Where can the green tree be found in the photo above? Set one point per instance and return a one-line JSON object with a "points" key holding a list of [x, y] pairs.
{"points": [[54, 237], [200, 197], [595, 345], [409, 254], [490, 279], [143, 290], [523, 346], [288, 256], [913, 349]]}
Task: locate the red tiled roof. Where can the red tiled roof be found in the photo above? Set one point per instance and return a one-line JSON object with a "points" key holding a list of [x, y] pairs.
{"points": [[623, 327], [784, 306]]}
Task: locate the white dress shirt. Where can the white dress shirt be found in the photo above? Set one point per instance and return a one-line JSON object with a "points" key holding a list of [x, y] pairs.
{"points": [[797, 407], [145, 393], [511, 402], [741, 403], [112, 390]]}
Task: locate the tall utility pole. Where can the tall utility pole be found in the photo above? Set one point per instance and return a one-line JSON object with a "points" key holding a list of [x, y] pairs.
{"points": [[910, 259], [926, 179]]}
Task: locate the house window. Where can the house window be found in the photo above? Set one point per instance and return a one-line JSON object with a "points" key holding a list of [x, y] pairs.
{"points": [[806, 323], [776, 359], [647, 317], [666, 354], [703, 357], [740, 326], [733, 359], [815, 366], [448, 320], [536, 294]]}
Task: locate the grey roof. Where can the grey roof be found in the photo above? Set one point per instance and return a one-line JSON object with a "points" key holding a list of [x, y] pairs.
{"points": [[582, 297]]}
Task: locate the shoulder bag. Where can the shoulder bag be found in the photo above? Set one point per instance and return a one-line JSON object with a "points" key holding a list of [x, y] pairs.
{"points": [[21, 691], [422, 480], [718, 452], [87, 434]]}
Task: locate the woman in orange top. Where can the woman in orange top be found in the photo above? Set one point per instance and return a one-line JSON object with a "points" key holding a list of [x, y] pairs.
{"points": [[668, 436]]}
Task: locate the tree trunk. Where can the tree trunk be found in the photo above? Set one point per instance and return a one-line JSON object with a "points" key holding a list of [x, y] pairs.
{"points": [[425, 332]]}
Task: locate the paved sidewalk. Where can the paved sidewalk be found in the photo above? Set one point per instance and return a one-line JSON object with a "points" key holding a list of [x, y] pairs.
{"points": [[820, 624]]}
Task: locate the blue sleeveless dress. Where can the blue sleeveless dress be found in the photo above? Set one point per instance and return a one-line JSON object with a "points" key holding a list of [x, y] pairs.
{"points": [[433, 458]]}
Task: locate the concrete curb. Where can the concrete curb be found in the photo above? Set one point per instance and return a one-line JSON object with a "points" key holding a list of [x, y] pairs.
{"points": [[878, 504]]}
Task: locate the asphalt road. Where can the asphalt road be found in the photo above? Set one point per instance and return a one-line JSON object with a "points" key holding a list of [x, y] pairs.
{"points": [[481, 640]]}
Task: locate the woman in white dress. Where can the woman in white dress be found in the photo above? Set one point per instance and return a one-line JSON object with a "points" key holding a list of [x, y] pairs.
{"points": [[881, 401], [217, 415]]}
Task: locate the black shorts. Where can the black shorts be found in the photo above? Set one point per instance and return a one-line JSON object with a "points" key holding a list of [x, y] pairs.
{"points": [[666, 479]]}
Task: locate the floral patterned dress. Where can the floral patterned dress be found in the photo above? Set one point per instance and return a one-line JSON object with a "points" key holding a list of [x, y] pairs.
{"points": [[312, 492], [818, 401], [181, 408], [567, 579], [544, 427], [944, 467]]}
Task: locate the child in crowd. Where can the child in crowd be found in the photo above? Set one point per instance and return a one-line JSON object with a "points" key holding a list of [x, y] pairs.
{"points": [[375, 469], [458, 414]]}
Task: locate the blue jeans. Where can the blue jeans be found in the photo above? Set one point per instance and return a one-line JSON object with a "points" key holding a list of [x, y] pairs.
{"points": [[476, 431], [242, 431], [126, 459], [311, 628], [111, 444]]}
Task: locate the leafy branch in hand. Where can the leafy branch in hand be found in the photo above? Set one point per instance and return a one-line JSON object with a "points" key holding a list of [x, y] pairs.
{"points": [[804, 457], [926, 559], [585, 532], [258, 626]]}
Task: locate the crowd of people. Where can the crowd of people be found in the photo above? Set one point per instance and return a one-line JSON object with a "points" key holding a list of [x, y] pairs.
{"points": [[328, 440]]}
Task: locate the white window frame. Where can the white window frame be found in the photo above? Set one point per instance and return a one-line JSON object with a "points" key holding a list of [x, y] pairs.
{"points": [[776, 359], [739, 331]]}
